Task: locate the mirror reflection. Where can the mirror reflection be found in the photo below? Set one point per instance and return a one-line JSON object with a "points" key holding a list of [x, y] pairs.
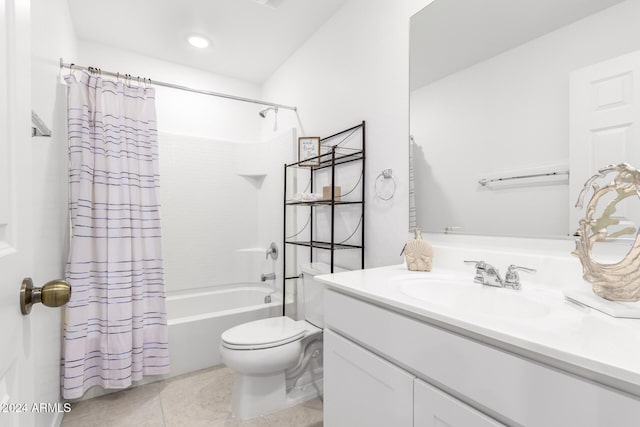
{"points": [[514, 105]]}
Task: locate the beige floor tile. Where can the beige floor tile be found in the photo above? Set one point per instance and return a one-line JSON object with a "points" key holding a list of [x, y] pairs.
{"points": [[200, 398], [139, 406], [308, 414], [235, 422]]}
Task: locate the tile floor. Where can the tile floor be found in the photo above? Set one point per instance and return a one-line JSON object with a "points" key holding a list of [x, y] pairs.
{"points": [[200, 398]]}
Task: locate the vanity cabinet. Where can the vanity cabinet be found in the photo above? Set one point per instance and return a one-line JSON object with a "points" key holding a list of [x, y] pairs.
{"points": [[363, 389], [435, 408], [374, 352]]}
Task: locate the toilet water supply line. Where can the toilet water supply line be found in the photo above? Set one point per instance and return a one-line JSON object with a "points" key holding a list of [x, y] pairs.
{"points": [[312, 350]]}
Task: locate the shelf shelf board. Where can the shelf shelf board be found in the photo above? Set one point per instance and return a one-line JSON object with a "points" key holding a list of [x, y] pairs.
{"points": [[325, 160], [323, 203], [323, 245]]}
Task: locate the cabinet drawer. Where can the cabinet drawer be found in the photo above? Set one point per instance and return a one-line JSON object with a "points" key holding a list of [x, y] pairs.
{"points": [[434, 408], [510, 388], [361, 389]]}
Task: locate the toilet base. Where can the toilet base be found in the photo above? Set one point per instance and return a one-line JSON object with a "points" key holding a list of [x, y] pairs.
{"points": [[256, 395]]}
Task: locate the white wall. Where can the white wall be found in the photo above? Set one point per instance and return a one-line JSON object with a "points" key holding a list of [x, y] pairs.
{"points": [[52, 36], [354, 68], [180, 112], [508, 114]]}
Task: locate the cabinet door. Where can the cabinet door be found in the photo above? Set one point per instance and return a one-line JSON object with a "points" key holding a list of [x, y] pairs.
{"points": [[434, 408], [362, 389]]}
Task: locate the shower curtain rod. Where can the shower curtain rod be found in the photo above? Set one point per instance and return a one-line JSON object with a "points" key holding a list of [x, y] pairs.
{"points": [[73, 66]]}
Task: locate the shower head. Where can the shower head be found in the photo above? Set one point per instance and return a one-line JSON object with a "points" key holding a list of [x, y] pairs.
{"points": [[263, 113]]}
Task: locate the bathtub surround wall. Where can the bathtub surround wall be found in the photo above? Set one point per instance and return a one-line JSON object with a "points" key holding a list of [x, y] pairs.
{"points": [[220, 213], [282, 148], [52, 36]]}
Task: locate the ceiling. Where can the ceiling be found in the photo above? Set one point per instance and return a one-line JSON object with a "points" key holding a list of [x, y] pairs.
{"points": [[249, 40], [451, 35]]}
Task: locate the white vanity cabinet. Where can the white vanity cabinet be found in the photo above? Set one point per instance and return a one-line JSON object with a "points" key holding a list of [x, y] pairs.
{"points": [[385, 367], [435, 408], [363, 389]]}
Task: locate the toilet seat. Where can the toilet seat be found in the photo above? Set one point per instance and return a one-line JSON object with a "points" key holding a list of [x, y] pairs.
{"points": [[263, 333]]}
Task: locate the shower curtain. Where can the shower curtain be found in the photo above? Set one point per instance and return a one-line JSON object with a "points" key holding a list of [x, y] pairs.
{"points": [[115, 328]]}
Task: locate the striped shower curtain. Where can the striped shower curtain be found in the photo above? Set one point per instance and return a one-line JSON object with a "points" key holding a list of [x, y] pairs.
{"points": [[115, 327]]}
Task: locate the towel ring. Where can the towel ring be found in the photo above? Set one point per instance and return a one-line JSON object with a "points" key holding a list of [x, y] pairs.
{"points": [[385, 174]]}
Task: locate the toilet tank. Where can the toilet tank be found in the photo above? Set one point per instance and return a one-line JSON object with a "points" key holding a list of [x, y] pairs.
{"points": [[313, 291]]}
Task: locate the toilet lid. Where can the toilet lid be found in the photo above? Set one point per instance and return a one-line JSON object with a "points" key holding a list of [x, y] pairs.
{"points": [[263, 333]]}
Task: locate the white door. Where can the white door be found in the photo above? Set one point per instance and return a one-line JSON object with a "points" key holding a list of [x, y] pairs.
{"points": [[16, 383], [604, 119]]}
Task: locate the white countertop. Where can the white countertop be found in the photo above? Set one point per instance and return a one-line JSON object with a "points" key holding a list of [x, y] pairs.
{"points": [[557, 332]]}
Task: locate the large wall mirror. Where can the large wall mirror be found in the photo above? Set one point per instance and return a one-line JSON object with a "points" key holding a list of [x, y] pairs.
{"points": [[514, 105]]}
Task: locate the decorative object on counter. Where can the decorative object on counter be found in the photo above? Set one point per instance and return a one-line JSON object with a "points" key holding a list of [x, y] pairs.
{"points": [[418, 253], [386, 175], [326, 193], [619, 281], [309, 148]]}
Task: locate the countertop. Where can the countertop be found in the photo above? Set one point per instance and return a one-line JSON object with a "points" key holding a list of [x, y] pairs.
{"points": [[562, 334]]}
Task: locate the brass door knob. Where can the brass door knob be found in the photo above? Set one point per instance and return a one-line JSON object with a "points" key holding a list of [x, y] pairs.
{"points": [[54, 293]]}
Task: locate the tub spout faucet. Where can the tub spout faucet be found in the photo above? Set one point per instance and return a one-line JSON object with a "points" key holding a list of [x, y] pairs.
{"points": [[268, 276]]}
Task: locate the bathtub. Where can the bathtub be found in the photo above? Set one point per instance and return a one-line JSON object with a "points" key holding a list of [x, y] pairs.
{"points": [[198, 317]]}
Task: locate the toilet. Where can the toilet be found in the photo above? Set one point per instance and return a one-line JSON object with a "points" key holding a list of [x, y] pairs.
{"points": [[278, 361]]}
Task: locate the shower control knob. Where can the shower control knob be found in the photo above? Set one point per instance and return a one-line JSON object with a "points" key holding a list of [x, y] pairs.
{"points": [[54, 293], [272, 251]]}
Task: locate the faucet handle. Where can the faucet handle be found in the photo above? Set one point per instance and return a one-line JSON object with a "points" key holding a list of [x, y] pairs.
{"points": [[272, 251], [514, 269], [512, 278], [480, 267], [479, 264]]}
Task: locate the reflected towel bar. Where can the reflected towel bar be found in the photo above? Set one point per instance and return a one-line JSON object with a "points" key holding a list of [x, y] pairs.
{"points": [[486, 181]]}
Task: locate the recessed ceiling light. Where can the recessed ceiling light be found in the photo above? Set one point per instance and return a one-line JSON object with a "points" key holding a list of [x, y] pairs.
{"points": [[198, 41]]}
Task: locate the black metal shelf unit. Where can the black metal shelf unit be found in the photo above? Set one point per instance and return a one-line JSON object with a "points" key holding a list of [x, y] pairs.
{"points": [[334, 156]]}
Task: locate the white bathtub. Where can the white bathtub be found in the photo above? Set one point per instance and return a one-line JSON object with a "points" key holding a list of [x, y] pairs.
{"points": [[197, 318]]}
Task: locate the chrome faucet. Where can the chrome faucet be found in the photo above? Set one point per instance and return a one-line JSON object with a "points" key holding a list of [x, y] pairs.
{"points": [[488, 275], [268, 276], [512, 278]]}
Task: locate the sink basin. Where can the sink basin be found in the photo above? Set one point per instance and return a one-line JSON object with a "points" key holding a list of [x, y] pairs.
{"points": [[475, 298]]}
